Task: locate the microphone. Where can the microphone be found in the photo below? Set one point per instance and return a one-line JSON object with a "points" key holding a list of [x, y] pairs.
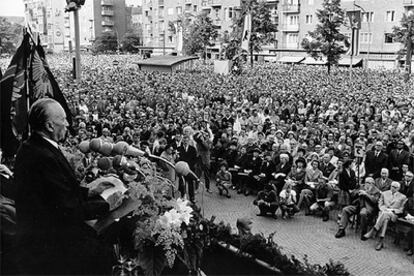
{"points": [[183, 169]]}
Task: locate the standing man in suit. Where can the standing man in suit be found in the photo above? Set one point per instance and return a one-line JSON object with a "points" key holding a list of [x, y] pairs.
{"points": [[375, 160], [397, 158], [51, 207], [407, 184], [188, 153], [391, 206], [383, 183]]}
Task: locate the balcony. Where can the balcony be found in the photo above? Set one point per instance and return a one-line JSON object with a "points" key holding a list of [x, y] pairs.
{"points": [[408, 3], [107, 13], [290, 8], [107, 2], [289, 28], [215, 3], [107, 23]]}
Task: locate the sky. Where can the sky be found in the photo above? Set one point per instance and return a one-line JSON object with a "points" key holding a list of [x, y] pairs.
{"points": [[11, 8], [16, 7]]}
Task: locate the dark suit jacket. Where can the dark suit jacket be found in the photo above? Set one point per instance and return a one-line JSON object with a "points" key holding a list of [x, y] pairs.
{"points": [[383, 186], [51, 209], [397, 160], [407, 190], [373, 164], [326, 169], [189, 156]]}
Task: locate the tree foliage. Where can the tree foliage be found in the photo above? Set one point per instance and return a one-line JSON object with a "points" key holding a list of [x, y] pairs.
{"points": [[326, 40], [201, 32], [106, 42], [130, 41], [10, 34], [263, 29], [405, 35]]}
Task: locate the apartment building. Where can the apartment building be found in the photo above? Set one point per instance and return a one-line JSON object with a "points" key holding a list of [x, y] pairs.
{"points": [[56, 28], [158, 13], [298, 17]]}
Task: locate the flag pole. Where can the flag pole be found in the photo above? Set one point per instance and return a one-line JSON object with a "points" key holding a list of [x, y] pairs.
{"points": [[27, 31]]}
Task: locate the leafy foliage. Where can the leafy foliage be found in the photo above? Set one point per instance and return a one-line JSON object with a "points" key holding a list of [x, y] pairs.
{"points": [[405, 35], [10, 34], [106, 42], [130, 41], [326, 40], [263, 29], [202, 31]]}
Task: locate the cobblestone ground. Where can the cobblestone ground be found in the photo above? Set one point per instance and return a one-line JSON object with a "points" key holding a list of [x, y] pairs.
{"points": [[308, 235]]}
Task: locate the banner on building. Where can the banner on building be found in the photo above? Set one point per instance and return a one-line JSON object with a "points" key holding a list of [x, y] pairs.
{"points": [[354, 18], [247, 29]]}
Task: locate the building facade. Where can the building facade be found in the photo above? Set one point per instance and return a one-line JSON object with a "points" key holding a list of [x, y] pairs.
{"points": [[56, 28], [159, 14], [298, 17], [295, 18]]}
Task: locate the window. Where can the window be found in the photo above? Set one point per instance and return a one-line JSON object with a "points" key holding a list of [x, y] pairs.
{"points": [[388, 38], [170, 39], [146, 13], [366, 38], [170, 11], [311, 2], [195, 8], [292, 39], [309, 19], [367, 17], [230, 13], [293, 20], [179, 10], [390, 16]]}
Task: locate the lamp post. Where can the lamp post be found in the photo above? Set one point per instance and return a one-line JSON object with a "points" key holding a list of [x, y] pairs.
{"points": [[74, 6], [369, 32]]}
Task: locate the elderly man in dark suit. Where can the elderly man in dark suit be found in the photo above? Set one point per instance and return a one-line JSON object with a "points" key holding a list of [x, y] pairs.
{"points": [[51, 206], [407, 184], [397, 158], [383, 182], [188, 154], [375, 160]]}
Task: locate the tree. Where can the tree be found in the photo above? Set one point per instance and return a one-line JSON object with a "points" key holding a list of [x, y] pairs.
{"points": [[405, 35], [130, 42], [106, 42], [263, 29], [202, 32], [326, 40], [10, 34]]}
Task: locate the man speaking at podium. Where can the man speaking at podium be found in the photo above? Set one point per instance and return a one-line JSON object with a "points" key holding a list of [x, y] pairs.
{"points": [[51, 207]]}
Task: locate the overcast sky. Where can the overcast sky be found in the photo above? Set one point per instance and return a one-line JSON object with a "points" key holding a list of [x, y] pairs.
{"points": [[16, 7], [11, 8]]}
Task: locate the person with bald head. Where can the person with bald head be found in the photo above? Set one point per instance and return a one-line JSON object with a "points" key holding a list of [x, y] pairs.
{"points": [[391, 207], [51, 207]]}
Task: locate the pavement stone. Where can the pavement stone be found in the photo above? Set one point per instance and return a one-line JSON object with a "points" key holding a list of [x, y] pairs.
{"points": [[309, 235]]}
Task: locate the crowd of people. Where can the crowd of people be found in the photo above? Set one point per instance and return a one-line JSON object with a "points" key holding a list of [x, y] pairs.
{"points": [[295, 137]]}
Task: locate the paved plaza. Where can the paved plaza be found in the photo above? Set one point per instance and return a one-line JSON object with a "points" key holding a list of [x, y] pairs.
{"points": [[305, 235]]}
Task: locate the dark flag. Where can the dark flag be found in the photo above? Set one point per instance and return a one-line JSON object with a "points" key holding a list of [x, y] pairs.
{"points": [[27, 79], [13, 98], [43, 83]]}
